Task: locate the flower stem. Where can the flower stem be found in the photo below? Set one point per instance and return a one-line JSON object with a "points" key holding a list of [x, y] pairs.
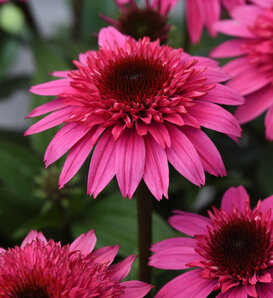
{"points": [[77, 14], [144, 210]]}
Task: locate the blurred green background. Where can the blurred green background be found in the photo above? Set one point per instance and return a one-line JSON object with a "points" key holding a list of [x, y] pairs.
{"points": [[48, 39]]}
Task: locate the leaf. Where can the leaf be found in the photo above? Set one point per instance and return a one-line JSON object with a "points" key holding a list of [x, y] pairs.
{"points": [[115, 222]]}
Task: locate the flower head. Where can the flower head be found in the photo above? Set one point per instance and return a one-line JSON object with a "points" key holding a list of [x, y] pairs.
{"points": [[142, 105], [252, 72], [231, 251], [201, 14], [41, 268], [149, 21]]}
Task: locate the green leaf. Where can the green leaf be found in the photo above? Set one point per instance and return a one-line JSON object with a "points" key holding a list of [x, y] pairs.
{"points": [[115, 222]]}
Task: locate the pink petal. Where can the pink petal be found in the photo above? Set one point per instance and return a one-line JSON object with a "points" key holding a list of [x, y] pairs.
{"points": [[269, 124], [256, 103], [61, 73], [156, 171], [214, 75], [160, 134], [234, 197], [233, 28], [190, 224], [230, 4], [239, 291], [106, 254], [207, 151], [173, 242], [188, 284], [263, 3], [246, 14], [194, 18], [53, 105], [53, 87], [241, 83], [215, 117], [64, 139], [33, 236], [135, 289], [85, 243], [2, 250], [130, 161], [183, 156], [76, 157], [223, 95], [122, 269], [102, 165], [228, 48], [50, 121], [237, 67], [165, 6], [111, 37], [174, 258], [211, 12], [265, 290], [267, 204]]}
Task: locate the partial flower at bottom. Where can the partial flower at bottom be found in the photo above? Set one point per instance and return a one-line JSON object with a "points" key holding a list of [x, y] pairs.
{"points": [[230, 252], [41, 268], [140, 105]]}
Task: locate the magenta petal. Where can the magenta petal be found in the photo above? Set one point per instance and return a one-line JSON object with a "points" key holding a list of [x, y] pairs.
{"points": [[160, 134], [32, 236], [173, 242], [237, 66], [52, 88], [269, 124], [135, 289], [85, 243], [130, 161], [215, 117], [64, 139], [190, 224], [233, 28], [256, 103], [230, 4], [246, 14], [223, 95], [234, 197], [50, 121], [156, 171], [194, 20], [228, 48], [263, 3], [106, 254], [53, 105], [265, 290], [111, 37], [122, 269], [183, 156], [267, 204], [174, 258], [188, 284], [211, 12], [61, 73], [208, 153], [102, 165]]}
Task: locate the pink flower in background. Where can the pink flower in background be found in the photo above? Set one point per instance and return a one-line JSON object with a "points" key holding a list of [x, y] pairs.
{"points": [[142, 105], [41, 268], [149, 21], [204, 13], [231, 251], [252, 72]]}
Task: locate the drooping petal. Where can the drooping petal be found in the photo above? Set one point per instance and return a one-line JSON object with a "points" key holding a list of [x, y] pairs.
{"points": [[246, 14], [173, 242], [233, 28], [32, 236], [64, 139], [184, 158], [255, 104], [122, 269], [160, 134], [207, 151], [228, 48], [156, 171], [267, 204], [265, 290], [85, 243], [51, 106], [53, 87], [135, 289], [174, 258], [234, 197], [106, 254], [111, 37], [130, 161], [194, 20], [50, 121], [102, 165], [211, 11], [237, 67], [61, 73], [183, 286]]}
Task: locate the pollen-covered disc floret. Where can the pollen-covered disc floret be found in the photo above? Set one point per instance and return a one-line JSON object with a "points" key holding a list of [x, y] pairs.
{"points": [[251, 73], [142, 105], [41, 268], [138, 22], [231, 251]]}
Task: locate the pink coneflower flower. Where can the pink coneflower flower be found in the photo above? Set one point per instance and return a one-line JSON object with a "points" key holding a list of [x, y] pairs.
{"points": [[231, 251], [252, 72], [41, 268], [143, 105], [204, 13], [149, 21]]}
